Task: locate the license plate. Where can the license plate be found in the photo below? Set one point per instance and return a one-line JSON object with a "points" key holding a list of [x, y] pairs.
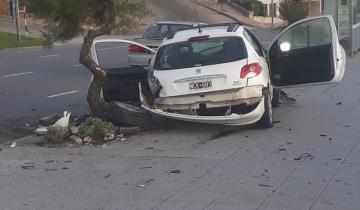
{"points": [[200, 85]]}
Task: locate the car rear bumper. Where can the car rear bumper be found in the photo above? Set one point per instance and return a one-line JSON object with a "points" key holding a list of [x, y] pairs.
{"points": [[231, 120]]}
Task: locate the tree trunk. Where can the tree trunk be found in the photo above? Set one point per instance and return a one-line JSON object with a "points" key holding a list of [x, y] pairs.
{"points": [[94, 97]]}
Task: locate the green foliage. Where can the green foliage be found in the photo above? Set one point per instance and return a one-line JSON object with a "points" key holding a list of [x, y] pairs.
{"points": [[56, 134], [67, 19], [96, 128], [293, 10], [252, 5], [8, 40]]}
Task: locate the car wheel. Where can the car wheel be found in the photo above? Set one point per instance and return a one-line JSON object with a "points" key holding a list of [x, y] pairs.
{"points": [[276, 97], [266, 120], [125, 114]]}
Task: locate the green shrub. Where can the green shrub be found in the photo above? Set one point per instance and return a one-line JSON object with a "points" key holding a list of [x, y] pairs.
{"points": [[293, 10], [56, 134], [252, 5], [96, 128]]}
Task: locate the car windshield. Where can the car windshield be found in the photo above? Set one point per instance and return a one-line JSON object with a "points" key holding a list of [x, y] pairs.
{"points": [[159, 31], [200, 53]]}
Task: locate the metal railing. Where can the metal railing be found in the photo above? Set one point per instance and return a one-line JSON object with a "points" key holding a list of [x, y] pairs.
{"points": [[356, 39]]}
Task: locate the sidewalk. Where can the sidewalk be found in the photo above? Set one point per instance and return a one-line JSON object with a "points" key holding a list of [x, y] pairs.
{"points": [[232, 13], [8, 25]]}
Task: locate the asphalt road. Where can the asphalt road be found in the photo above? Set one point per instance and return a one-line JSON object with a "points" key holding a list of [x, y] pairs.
{"points": [[37, 82]]}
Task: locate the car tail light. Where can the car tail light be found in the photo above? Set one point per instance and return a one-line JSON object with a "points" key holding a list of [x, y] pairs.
{"points": [[250, 70], [133, 48], [198, 38]]}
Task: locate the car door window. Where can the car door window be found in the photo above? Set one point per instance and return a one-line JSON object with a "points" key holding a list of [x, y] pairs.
{"points": [[305, 35], [253, 43], [303, 54]]}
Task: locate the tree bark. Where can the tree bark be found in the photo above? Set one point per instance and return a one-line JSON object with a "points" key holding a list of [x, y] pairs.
{"points": [[94, 97]]}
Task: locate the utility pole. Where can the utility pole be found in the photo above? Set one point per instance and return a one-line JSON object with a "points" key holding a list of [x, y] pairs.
{"points": [[272, 13], [18, 37], [351, 27]]}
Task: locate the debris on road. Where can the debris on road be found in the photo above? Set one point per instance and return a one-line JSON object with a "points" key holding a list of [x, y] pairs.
{"points": [[28, 167], [63, 121], [13, 145], [49, 120], [107, 176], [265, 185], [304, 155], [50, 169], [339, 103], [323, 135], [76, 139], [175, 171], [129, 130], [281, 149], [145, 183]]}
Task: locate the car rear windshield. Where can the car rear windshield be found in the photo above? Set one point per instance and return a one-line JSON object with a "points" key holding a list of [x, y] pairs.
{"points": [[200, 53], [159, 31]]}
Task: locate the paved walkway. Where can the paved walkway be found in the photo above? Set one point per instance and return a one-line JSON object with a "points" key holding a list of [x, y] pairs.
{"points": [[233, 13]]}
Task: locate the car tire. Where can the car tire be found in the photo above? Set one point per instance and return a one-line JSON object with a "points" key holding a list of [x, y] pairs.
{"points": [[125, 114], [266, 120], [276, 97]]}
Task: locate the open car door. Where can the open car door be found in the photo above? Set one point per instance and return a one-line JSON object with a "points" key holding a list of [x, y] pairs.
{"points": [[307, 52], [122, 78]]}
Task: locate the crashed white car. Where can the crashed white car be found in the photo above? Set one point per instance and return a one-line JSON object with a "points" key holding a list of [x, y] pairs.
{"points": [[221, 74]]}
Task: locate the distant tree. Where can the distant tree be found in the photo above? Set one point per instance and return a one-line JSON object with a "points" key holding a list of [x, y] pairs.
{"points": [[67, 19], [293, 10]]}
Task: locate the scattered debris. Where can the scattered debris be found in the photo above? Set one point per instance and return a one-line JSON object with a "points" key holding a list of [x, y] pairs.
{"points": [[65, 168], [281, 149], [13, 145], [145, 183], [175, 171], [285, 99], [76, 139], [74, 130], [347, 126], [51, 169], [146, 167], [49, 120], [290, 129], [107, 176], [63, 121], [330, 139], [225, 132], [304, 155], [323, 135], [339, 103], [87, 139], [129, 130], [28, 167], [41, 131], [265, 185]]}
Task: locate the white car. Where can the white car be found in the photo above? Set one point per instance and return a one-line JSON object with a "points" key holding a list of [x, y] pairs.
{"points": [[221, 74]]}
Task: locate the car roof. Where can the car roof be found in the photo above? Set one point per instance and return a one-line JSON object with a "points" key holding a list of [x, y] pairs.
{"points": [[179, 22], [212, 31]]}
